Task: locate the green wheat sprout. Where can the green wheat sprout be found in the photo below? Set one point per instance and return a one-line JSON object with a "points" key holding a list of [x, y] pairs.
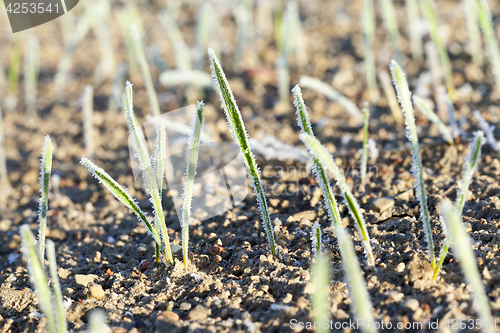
{"points": [[471, 16], [124, 197], [150, 180], [368, 18], [192, 159], [415, 37], [319, 152], [238, 130], [332, 94], [465, 256], [316, 239], [320, 278], [364, 155], [486, 21], [318, 170], [52, 308], [433, 117], [43, 203], [470, 166], [31, 67], [158, 163], [429, 10], [404, 97], [389, 18], [88, 115]]}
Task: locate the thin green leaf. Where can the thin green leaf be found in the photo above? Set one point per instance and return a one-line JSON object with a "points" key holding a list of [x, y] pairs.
{"points": [[43, 202], [60, 315]]}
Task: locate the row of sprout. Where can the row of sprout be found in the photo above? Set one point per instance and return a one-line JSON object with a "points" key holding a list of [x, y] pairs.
{"points": [[156, 167]]}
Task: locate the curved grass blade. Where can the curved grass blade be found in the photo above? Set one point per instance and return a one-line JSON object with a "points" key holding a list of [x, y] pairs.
{"points": [[238, 130], [60, 316], [43, 202], [468, 263], [38, 277], [364, 156], [486, 21], [148, 174], [122, 195], [426, 110], [404, 97], [192, 159], [469, 167], [325, 159]]}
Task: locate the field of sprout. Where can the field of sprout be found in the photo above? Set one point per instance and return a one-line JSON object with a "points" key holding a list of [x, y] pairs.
{"points": [[252, 166]]}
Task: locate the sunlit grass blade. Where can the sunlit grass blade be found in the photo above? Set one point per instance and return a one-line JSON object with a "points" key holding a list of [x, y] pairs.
{"points": [[182, 77], [429, 10], [316, 240], [465, 255], [123, 196], [88, 116], [238, 130], [320, 278], [486, 21], [31, 65], [389, 18], [332, 94], [192, 160], [38, 277], [390, 95], [150, 181], [487, 129], [471, 17], [469, 167], [60, 316], [158, 162], [326, 160], [433, 117], [413, 15], [43, 202], [364, 155], [404, 96], [318, 170], [368, 18]]}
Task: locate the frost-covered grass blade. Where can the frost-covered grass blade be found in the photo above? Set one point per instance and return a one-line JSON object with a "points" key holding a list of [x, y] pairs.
{"points": [[192, 160], [487, 129], [469, 167], [486, 21], [43, 203], [404, 96], [58, 308], [364, 155], [158, 162], [433, 117], [465, 255], [316, 240], [325, 159], [238, 130]]}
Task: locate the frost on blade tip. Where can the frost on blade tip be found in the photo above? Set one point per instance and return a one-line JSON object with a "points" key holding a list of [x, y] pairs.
{"points": [[316, 239], [43, 202], [487, 129]]}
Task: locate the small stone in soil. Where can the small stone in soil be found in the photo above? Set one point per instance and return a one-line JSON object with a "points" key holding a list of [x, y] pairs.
{"points": [[198, 313], [185, 306], [411, 304], [96, 290], [83, 280], [382, 204]]}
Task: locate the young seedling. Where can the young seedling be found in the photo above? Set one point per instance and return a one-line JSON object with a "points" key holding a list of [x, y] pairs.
{"points": [[31, 59], [465, 257], [192, 159], [392, 100], [150, 181], [413, 16], [486, 21], [43, 203], [316, 240], [238, 130], [3, 160], [332, 94], [317, 151], [470, 12], [469, 167], [429, 10], [53, 309], [124, 197], [88, 116], [389, 18], [368, 18], [433, 117], [364, 156], [487, 129], [158, 162], [404, 96], [320, 278]]}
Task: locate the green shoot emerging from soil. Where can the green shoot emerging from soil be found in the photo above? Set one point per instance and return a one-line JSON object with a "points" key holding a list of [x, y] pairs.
{"points": [[364, 156], [43, 203], [150, 180], [429, 10], [320, 276], [192, 159], [316, 239], [325, 159], [469, 168], [123, 196], [433, 117], [88, 115], [485, 19], [465, 255], [53, 310], [238, 130], [404, 97]]}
